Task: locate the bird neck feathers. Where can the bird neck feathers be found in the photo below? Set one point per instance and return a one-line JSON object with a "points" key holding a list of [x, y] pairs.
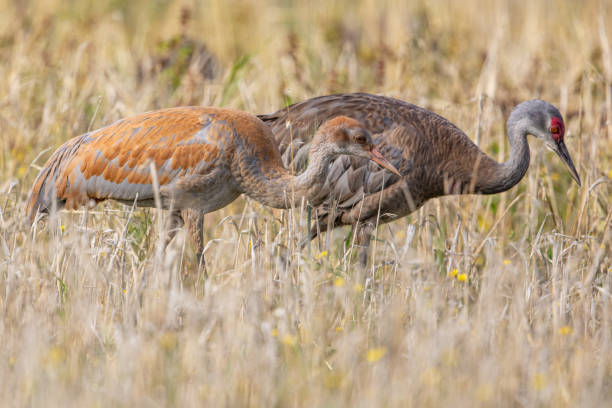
{"points": [[499, 177], [281, 189]]}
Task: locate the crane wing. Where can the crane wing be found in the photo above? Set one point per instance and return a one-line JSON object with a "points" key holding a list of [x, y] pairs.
{"points": [[115, 161], [297, 123]]}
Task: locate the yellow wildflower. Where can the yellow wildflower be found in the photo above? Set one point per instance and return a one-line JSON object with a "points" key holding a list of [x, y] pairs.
{"points": [[289, 340], [539, 381], [453, 273], [565, 330], [168, 340], [358, 288], [375, 354], [462, 277], [507, 262], [55, 356], [484, 223], [338, 329], [321, 255], [339, 281]]}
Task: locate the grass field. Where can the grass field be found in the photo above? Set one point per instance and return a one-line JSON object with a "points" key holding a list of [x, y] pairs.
{"points": [[498, 300]]}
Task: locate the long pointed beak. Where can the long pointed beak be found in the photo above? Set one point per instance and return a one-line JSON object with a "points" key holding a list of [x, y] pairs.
{"points": [[378, 158], [561, 150]]}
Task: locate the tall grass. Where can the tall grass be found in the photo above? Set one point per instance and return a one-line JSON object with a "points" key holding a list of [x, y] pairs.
{"points": [[489, 301]]}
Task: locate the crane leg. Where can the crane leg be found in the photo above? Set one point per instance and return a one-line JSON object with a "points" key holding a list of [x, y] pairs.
{"points": [[175, 223], [362, 241], [194, 219]]}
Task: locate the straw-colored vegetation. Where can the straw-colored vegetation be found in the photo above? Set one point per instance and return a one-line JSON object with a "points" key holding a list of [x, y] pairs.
{"points": [[490, 300]]}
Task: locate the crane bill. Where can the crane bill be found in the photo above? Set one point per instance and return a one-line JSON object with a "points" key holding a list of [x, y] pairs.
{"points": [[378, 158], [561, 150]]}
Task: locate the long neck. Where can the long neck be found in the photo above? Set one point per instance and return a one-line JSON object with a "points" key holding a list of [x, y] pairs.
{"points": [[499, 177], [278, 188]]}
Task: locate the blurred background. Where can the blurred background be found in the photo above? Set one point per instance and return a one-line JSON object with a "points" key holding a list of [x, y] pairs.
{"points": [[501, 300]]}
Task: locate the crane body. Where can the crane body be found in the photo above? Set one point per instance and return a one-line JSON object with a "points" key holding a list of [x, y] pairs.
{"points": [[434, 156]]}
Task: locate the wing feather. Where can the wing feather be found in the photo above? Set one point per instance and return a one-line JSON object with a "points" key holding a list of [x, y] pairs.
{"points": [[115, 161]]}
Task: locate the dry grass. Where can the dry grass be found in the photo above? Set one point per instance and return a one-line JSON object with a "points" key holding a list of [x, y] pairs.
{"points": [[492, 301]]}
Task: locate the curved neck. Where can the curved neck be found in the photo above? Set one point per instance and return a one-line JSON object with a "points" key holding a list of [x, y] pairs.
{"points": [[498, 177], [278, 188]]}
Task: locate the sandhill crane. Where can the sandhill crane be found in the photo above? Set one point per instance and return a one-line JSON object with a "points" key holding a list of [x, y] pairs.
{"points": [[203, 158], [434, 156]]}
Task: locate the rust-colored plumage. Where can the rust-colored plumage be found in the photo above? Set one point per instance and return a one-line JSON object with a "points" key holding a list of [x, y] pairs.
{"points": [[434, 157], [203, 158], [115, 161]]}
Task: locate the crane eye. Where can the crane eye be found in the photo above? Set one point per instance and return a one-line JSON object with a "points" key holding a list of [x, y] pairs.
{"points": [[361, 138], [554, 129]]}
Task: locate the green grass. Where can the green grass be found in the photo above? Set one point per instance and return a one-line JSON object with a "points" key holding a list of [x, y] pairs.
{"points": [[490, 301]]}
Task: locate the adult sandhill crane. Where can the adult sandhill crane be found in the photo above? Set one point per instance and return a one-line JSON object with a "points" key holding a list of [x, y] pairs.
{"points": [[434, 156], [204, 158]]}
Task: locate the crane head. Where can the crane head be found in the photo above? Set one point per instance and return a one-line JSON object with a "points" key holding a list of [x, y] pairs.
{"points": [[344, 135], [554, 141], [544, 121]]}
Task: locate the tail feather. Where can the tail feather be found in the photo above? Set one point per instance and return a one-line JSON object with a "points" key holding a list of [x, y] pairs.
{"points": [[43, 195]]}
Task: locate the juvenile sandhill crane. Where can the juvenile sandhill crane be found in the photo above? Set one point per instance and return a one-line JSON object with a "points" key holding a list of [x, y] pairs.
{"points": [[204, 158], [434, 156]]}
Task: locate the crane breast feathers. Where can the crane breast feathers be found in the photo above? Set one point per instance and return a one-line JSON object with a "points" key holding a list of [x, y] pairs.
{"points": [[115, 161]]}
